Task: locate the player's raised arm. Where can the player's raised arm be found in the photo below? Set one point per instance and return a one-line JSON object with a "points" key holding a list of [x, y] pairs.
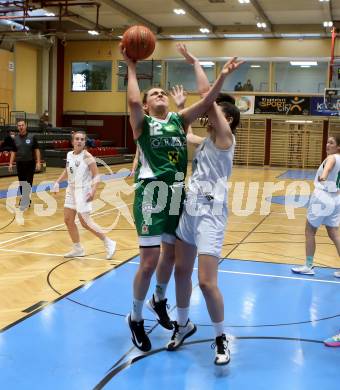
{"points": [[193, 112], [133, 94]]}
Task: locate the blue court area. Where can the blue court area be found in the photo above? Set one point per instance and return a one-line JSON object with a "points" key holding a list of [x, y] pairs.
{"points": [[298, 174], [12, 192], [277, 321]]}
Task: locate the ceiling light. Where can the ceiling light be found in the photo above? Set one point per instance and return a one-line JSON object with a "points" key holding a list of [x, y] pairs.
{"points": [[204, 30], [305, 66], [179, 11], [261, 25], [207, 64], [328, 24], [187, 36], [255, 66], [324, 1], [301, 63], [93, 32], [49, 14], [297, 121], [244, 1], [243, 35], [295, 35]]}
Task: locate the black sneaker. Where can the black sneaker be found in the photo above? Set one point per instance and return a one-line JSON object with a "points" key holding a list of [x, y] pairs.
{"points": [[139, 337], [180, 334], [222, 354], [159, 310]]}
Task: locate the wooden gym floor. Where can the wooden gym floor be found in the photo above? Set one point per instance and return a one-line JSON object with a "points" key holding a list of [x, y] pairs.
{"points": [[32, 245]]}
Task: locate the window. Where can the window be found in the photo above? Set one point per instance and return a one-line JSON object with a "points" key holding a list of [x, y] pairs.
{"points": [[92, 76], [250, 76], [300, 78], [148, 74], [180, 72]]}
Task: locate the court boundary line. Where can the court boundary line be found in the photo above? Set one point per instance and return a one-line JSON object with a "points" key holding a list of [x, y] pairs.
{"points": [[49, 229], [63, 295], [116, 370]]}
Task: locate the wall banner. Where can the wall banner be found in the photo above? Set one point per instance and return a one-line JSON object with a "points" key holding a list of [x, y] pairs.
{"points": [[282, 105], [245, 104], [317, 107]]}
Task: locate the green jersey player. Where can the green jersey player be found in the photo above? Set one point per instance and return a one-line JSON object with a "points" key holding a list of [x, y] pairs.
{"points": [[160, 136]]}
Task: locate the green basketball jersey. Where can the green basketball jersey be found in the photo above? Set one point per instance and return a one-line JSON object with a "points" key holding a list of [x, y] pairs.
{"points": [[163, 148]]}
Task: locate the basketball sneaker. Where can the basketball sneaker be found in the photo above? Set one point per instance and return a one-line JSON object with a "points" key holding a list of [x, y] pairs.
{"points": [[139, 337], [303, 269], [159, 309], [180, 334], [110, 247], [222, 354], [333, 341], [76, 251], [337, 274]]}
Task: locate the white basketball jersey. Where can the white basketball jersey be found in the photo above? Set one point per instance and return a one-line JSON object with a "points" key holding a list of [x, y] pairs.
{"points": [[211, 168], [79, 174], [333, 181]]}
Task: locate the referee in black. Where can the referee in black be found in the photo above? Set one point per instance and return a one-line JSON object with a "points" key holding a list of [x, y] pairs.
{"points": [[27, 155]]}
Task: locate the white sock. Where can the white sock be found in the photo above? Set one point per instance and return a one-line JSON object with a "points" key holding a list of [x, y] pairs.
{"points": [[182, 315], [77, 245], [137, 308], [160, 291], [219, 328]]}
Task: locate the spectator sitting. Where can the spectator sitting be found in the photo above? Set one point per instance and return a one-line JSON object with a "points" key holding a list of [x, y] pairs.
{"points": [[8, 143], [44, 121], [248, 86], [90, 143], [238, 87]]}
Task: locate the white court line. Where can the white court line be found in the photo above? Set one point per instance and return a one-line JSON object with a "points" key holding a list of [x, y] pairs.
{"points": [[279, 276], [20, 239], [267, 275], [58, 255]]}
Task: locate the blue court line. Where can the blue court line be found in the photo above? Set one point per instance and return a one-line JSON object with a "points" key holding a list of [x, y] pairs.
{"points": [[47, 186], [302, 200], [298, 174]]}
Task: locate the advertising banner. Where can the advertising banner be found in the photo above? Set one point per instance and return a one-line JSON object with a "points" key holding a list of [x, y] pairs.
{"points": [[318, 107], [282, 105], [245, 104]]}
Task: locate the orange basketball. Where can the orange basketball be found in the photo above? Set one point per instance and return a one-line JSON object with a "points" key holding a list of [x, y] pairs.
{"points": [[139, 42]]}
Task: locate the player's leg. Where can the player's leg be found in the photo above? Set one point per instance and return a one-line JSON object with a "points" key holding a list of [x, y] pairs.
{"points": [[88, 224], [172, 211], [69, 219], [207, 276], [149, 236], [183, 327], [157, 304], [314, 220], [334, 235]]}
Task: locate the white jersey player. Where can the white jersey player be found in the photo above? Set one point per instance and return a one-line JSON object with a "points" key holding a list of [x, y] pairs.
{"points": [[82, 176], [324, 205]]}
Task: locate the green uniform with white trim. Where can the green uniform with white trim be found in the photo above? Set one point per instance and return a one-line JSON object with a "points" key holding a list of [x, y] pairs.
{"points": [[163, 158]]}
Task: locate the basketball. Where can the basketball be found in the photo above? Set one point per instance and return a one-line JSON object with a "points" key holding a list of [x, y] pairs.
{"points": [[139, 42]]}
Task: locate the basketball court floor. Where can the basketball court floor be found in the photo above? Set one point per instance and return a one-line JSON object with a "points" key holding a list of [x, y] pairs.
{"points": [[63, 321]]}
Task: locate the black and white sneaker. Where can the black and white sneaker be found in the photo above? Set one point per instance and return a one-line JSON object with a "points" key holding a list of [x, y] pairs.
{"points": [[139, 337], [222, 353], [180, 334], [159, 309]]}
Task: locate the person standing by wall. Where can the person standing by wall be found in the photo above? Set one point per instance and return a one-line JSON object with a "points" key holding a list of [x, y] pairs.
{"points": [[28, 159]]}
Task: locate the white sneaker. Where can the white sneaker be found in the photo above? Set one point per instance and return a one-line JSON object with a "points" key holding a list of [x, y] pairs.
{"points": [[337, 274], [180, 334], [75, 252], [110, 247], [222, 353], [304, 270]]}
